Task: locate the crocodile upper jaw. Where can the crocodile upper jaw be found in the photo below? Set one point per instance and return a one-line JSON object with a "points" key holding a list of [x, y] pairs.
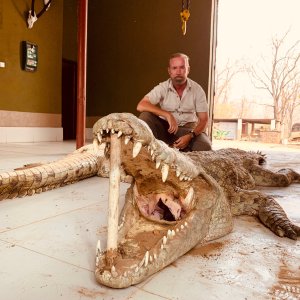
{"points": [[167, 210]]}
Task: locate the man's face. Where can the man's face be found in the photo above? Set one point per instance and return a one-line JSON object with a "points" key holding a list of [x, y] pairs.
{"points": [[178, 70]]}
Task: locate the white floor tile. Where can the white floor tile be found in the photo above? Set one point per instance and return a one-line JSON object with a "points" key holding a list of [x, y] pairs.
{"points": [[47, 244], [28, 275]]}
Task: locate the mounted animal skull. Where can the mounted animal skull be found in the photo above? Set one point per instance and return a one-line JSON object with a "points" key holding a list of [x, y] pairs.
{"points": [[32, 16]]}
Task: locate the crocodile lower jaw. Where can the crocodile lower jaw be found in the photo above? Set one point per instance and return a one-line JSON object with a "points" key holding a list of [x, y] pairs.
{"points": [[167, 208]]}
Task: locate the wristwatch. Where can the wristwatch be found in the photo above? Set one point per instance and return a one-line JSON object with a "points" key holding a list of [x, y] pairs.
{"points": [[193, 134]]}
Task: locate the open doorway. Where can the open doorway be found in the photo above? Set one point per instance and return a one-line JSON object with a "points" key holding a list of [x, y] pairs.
{"points": [[257, 72], [69, 99]]}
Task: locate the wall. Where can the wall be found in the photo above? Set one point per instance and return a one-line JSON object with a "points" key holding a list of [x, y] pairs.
{"points": [[129, 43], [69, 44], [36, 94]]}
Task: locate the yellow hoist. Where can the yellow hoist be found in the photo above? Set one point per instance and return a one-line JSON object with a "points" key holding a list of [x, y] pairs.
{"points": [[185, 14]]}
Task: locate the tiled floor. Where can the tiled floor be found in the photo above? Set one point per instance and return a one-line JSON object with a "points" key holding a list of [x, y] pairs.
{"points": [[47, 242]]}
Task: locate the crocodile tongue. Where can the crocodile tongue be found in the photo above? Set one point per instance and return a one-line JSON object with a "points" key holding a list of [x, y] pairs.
{"points": [[154, 205]]}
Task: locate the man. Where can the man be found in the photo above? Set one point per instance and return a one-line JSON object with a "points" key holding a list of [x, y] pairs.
{"points": [[176, 110]]}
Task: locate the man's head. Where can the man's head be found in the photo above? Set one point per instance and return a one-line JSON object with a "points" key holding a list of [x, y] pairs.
{"points": [[179, 68]]}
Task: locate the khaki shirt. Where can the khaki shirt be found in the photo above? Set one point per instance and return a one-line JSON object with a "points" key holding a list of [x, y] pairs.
{"points": [[184, 110]]}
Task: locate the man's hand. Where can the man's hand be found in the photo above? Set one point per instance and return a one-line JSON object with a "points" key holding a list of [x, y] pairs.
{"points": [[183, 141], [173, 126]]}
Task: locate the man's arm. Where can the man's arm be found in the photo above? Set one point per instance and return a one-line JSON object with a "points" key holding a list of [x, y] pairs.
{"points": [[184, 140], [202, 122], [146, 105]]}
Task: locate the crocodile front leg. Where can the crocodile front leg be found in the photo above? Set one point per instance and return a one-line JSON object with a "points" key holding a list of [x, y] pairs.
{"points": [[267, 209], [273, 216]]}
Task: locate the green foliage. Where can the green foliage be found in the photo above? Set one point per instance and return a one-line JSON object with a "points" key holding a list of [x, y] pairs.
{"points": [[219, 134]]}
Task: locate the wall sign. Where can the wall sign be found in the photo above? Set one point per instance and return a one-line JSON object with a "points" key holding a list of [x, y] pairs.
{"points": [[30, 56]]}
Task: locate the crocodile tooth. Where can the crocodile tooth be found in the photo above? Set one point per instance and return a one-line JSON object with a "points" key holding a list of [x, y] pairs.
{"points": [[185, 224], [169, 233], [164, 172], [181, 177], [125, 274], [99, 137], [177, 229], [142, 262], [136, 149], [112, 131], [98, 248], [182, 227], [106, 149], [188, 200], [178, 172], [127, 139], [97, 261], [146, 258], [155, 256], [163, 155], [151, 152], [157, 164], [114, 273], [165, 240], [173, 233], [161, 246], [120, 133], [107, 275], [150, 258], [107, 130], [95, 145], [136, 269]]}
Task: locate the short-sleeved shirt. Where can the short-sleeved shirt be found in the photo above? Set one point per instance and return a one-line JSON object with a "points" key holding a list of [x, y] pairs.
{"points": [[184, 110]]}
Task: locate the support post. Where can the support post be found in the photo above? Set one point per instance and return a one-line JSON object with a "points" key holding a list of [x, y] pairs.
{"points": [[81, 72], [113, 200]]}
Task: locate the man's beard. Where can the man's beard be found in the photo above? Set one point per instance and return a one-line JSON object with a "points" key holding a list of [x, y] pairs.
{"points": [[179, 80]]}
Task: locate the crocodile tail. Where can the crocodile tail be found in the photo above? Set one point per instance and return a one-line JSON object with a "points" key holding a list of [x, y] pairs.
{"points": [[28, 181], [273, 216]]}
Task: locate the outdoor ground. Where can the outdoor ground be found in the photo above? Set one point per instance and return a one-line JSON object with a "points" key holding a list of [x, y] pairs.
{"points": [[48, 241]]}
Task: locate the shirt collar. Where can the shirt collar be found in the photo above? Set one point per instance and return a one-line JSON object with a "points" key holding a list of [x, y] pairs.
{"points": [[171, 87]]}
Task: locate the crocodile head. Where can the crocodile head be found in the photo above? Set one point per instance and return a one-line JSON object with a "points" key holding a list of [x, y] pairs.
{"points": [[168, 208]]}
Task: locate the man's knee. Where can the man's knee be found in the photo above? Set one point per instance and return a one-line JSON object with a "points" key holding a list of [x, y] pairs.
{"points": [[202, 143], [146, 116]]}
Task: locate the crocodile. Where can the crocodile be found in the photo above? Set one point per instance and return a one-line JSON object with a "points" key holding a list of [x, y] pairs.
{"points": [[176, 200]]}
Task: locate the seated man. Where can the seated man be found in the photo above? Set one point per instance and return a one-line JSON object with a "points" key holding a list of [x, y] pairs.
{"points": [[176, 110]]}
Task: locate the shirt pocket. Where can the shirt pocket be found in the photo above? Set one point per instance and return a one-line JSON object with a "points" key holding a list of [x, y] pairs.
{"points": [[170, 102], [188, 106]]}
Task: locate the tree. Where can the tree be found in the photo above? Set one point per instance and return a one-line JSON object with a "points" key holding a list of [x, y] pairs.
{"points": [[280, 78], [223, 81], [292, 101]]}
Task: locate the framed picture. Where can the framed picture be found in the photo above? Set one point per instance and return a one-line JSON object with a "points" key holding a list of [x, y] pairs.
{"points": [[30, 56]]}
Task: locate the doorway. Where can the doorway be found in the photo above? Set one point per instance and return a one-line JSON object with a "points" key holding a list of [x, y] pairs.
{"points": [[69, 99]]}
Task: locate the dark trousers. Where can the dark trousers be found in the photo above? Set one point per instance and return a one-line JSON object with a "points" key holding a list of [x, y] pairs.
{"points": [[160, 127]]}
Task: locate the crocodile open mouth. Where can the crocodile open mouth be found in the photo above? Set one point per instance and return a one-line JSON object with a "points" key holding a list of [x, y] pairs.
{"points": [[159, 215], [164, 206]]}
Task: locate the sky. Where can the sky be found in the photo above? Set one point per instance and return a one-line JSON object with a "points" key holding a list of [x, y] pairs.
{"points": [[245, 30]]}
